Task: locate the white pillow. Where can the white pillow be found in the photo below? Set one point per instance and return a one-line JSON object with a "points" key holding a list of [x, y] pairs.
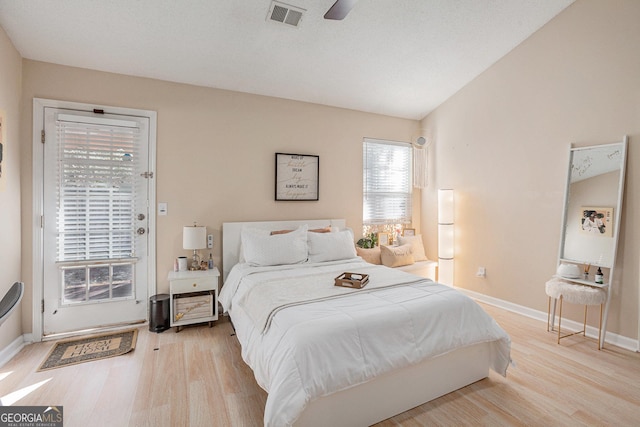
{"points": [[261, 249], [331, 246], [248, 230], [417, 248]]}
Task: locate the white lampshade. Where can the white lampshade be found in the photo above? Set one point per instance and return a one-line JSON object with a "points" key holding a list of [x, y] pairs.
{"points": [[446, 237], [445, 271], [446, 241], [445, 206], [194, 237]]}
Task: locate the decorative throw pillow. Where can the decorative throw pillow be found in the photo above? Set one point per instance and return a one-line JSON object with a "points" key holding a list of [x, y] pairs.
{"points": [[396, 256], [262, 249], [416, 246], [274, 232], [371, 255], [331, 246], [327, 229]]}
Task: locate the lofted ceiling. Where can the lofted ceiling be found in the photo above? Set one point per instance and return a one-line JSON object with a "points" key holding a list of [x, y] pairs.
{"points": [[400, 58]]}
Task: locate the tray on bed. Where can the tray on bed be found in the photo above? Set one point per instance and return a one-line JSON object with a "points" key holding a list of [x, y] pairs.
{"points": [[352, 280]]}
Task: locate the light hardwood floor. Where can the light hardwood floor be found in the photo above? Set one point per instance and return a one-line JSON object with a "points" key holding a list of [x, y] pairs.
{"points": [[197, 378]]}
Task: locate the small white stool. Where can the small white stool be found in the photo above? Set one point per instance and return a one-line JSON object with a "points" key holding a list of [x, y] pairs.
{"points": [[574, 293]]}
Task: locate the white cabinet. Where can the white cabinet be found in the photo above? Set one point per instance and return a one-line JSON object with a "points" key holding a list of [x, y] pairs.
{"points": [[193, 297]]}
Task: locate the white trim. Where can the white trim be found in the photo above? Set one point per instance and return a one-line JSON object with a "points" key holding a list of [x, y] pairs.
{"points": [[101, 121], [36, 220], [9, 352], [151, 249], [37, 186], [387, 141], [613, 339]]}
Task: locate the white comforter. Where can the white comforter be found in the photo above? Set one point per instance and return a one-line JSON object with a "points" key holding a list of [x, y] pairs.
{"points": [[323, 346]]}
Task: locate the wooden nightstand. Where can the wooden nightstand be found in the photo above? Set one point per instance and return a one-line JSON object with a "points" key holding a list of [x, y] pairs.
{"points": [[193, 297]]}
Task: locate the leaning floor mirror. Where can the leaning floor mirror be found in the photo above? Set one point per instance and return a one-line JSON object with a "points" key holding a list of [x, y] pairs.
{"points": [[592, 213]]}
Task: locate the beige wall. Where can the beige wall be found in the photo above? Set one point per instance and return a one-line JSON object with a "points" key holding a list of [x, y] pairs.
{"points": [[10, 82], [216, 152], [503, 141]]}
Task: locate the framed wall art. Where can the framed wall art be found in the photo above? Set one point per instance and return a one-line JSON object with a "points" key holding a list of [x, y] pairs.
{"points": [[297, 176], [383, 239], [596, 221]]}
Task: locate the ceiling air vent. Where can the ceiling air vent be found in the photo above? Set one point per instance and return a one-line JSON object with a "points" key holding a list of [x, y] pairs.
{"points": [[285, 14]]}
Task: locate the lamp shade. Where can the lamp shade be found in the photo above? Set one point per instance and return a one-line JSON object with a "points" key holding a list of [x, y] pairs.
{"points": [[446, 237], [446, 241], [445, 206], [445, 271], [194, 237]]}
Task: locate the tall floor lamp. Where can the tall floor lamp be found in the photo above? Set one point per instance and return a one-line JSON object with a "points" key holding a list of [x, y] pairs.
{"points": [[446, 236]]}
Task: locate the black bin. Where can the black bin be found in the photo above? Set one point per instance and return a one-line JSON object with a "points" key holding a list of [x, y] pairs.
{"points": [[159, 313]]}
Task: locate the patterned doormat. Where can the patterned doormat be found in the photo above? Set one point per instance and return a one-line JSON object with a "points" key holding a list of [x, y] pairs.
{"points": [[80, 350]]}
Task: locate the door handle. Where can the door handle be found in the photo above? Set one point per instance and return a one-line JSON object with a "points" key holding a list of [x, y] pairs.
{"points": [[141, 230]]}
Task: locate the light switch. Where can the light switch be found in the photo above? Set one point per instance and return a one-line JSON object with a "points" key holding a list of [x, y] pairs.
{"points": [[162, 208]]}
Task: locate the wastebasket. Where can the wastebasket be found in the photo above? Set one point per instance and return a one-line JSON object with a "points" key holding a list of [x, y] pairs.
{"points": [[159, 313]]}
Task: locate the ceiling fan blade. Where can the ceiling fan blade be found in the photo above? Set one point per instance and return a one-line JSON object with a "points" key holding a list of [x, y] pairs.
{"points": [[340, 9]]}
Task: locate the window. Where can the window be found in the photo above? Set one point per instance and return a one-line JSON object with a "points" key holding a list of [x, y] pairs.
{"points": [[96, 179], [387, 187], [96, 174]]}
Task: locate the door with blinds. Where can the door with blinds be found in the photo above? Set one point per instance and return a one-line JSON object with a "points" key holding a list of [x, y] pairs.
{"points": [[95, 220]]}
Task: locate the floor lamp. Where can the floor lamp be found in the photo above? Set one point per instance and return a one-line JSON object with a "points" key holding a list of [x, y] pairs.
{"points": [[446, 236]]}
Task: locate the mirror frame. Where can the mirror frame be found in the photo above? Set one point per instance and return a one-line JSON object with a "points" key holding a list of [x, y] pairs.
{"points": [[617, 214], [616, 232]]}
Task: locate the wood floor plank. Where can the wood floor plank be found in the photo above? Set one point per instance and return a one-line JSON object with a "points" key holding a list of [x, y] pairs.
{"points": [[197, 378]]}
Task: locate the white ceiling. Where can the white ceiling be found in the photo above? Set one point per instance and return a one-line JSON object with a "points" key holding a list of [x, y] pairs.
{"points": [[399, 58]]}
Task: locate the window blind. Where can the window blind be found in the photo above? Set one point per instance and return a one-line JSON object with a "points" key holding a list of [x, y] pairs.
{"points": [[387, 182], [96, 165]]}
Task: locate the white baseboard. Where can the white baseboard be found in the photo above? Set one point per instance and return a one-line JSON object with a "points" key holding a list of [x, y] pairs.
{"points": [[610, 338], [8, 353]]}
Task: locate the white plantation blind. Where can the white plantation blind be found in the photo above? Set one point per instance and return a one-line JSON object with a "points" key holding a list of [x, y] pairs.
{"points": [[96, 169], [387, 182]]}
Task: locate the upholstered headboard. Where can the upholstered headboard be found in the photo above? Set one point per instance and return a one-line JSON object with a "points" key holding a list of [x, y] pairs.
{"points": [[231, 235]]}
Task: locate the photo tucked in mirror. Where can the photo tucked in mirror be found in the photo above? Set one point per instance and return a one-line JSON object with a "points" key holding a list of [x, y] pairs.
{"points": [[592, 198]]}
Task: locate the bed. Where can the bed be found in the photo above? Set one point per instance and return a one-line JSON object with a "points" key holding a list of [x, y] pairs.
{"points": [[328, 355]]}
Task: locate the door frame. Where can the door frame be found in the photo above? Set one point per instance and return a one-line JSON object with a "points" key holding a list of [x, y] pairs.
{"points": [[38, 206]]}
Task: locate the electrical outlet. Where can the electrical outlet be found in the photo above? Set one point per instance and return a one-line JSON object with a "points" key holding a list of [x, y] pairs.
{"points": [[210, 241], [482, 272]]}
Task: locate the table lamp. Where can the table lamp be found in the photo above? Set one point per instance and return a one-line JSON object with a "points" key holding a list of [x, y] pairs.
{"points": [[194, 238]]}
